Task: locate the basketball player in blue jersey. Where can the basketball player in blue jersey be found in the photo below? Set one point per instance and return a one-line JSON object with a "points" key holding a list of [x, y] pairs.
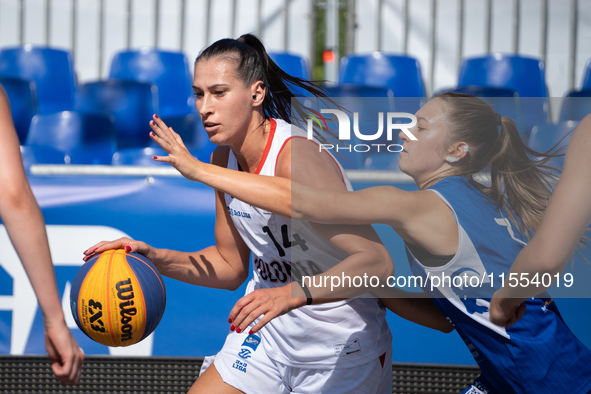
{"points": [[341, 346], [566, 218], [453, 227]]}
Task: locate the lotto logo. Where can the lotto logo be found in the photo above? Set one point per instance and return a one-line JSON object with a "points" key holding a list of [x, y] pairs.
{"points": [[252, 341]]}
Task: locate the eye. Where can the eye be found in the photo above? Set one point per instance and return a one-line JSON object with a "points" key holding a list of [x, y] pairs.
{"points": [[197, 94], [219, 92]]}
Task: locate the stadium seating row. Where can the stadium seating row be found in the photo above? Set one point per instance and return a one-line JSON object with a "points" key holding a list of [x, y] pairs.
{"points": [[59, 121]]}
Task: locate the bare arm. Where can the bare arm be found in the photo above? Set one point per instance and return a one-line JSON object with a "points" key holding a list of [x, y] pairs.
{"points": [[366, 255], [224, 265], [322, 197], [566, 218], [295, 197], [25, 226]]}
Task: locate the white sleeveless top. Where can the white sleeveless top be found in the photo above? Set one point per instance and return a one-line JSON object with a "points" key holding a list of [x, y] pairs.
{"points": [[340, 334]]}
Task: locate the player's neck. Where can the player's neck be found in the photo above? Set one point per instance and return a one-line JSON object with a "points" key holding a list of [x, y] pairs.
{"points": [[249, 152]]}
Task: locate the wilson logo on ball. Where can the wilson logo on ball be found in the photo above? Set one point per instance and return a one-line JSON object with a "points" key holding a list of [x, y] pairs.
{"points": [[118, 298], [126, 308]]}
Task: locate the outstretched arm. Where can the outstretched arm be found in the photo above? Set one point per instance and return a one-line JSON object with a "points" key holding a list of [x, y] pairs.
{"points": [[25, 226], [290, 197], [316, 202], [566, 218]]}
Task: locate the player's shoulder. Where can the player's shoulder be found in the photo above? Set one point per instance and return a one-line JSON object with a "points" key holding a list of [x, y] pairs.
{"points": [[302, 160]]}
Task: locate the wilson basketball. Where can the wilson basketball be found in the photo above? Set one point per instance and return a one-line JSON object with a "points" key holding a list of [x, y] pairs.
{"points": [[118, 298]]}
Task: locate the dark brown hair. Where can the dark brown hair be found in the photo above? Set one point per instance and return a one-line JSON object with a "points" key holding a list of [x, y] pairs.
{"points": [[254, 64]]}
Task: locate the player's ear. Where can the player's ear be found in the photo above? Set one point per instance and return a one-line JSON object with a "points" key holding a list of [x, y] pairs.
{"points": [[258, 90], [457, 151]]}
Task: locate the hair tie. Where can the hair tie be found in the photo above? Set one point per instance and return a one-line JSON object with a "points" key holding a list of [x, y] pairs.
{"points": [[499, 119]]}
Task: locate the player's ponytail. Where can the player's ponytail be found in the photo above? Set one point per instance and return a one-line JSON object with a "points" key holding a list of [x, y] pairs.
{"points": [[254, 64], [521, 178]]}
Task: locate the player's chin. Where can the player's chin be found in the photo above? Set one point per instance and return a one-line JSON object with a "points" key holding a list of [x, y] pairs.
{"points": [[403, 165]]}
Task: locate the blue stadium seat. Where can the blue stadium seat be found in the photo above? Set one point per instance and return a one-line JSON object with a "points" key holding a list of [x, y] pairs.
{"points": [[23, 103], [587, 76], [169, 71], [367, 101], [84, 138], [576, 105], [52, 70], [523, 74], [172, 74], [543, 138], [139, 157], [505, 102], [294, 65], [131, 104], [36, 154], [402, 74]]}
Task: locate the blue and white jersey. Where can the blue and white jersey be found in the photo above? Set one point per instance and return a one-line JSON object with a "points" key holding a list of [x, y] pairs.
{"points": [[538, 354]]}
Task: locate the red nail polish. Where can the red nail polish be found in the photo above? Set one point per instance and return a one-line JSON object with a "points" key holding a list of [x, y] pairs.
{"points": [[85, 251], [239, 330], [156, 116], [232, 327], [154, 157], [95, 249], [127, 248], [250, 332], [229, 320]]}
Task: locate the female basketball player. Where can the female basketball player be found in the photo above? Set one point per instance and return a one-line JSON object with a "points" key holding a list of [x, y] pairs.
{"points": [[454, 228], [567, 217], [337, 347], [25, 225]]}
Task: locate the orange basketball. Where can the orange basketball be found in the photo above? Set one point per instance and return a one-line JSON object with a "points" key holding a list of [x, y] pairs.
{"points": [[118, 298]]}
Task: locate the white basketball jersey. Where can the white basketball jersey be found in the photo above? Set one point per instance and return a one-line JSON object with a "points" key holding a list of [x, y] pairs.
{"points": [[338, 334]]}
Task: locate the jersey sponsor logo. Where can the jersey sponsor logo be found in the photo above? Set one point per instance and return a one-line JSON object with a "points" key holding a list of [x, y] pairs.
{"points": [[239, 365], [468, 294], [546, 303], [252, 341], [282, 271], [240, 214], [244, 353]]}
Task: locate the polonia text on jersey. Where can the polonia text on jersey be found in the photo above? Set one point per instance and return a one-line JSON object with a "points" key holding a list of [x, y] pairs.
{"points": [[281, 271]]}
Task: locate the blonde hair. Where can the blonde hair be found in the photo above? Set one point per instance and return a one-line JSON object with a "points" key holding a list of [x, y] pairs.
{"points": [[521, 178]]}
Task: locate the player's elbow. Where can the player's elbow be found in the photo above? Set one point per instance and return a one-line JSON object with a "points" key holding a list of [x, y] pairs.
{"points": [[383, 267], [237, 281], [15, 198], [446, 328]]}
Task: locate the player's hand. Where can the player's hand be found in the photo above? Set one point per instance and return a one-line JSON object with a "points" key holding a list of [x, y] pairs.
{"points": [[505, 312], [178, 155], [128, 244], [269, 303], [64, 353]]}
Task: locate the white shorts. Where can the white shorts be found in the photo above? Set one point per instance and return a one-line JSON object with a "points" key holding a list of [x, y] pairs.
{"points": [[243, 364]]}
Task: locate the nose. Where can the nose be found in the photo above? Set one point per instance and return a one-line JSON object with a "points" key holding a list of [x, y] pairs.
{"points": [[204, 106], [402, 135]]}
